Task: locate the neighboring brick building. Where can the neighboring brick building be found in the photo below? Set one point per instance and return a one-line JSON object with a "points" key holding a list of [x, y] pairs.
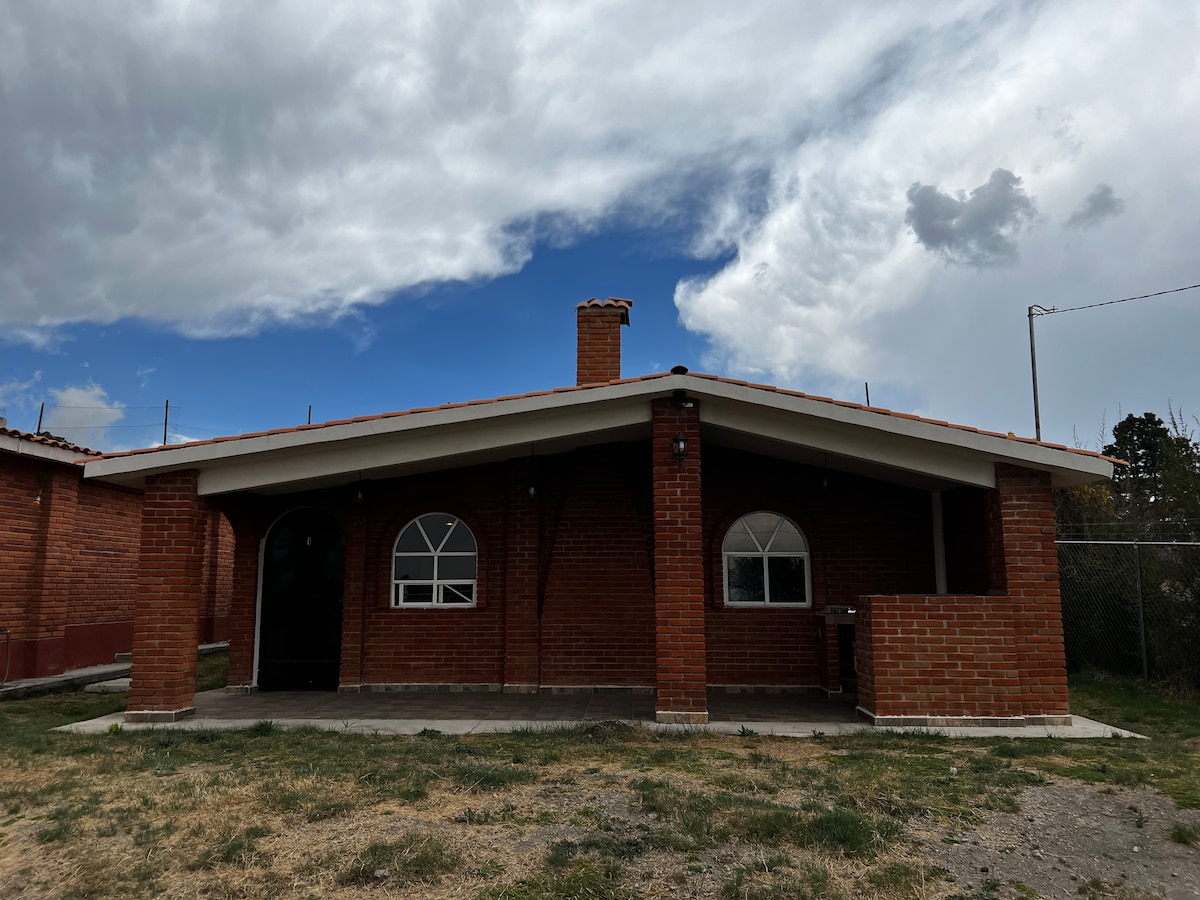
{"points": [[69, 561], [678, 533]]}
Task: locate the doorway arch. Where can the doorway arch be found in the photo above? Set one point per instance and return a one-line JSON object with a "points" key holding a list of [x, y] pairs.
{"points": [[300, 612]]}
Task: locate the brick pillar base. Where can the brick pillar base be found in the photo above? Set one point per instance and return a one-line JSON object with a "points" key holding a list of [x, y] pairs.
{"points": [[682, 682], [169, 598]]}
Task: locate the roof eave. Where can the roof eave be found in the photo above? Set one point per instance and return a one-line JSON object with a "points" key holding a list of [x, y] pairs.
{"points": [[739, 402]]}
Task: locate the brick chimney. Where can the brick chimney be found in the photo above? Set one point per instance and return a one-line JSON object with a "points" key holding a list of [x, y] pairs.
{"points": [[598, 353]]}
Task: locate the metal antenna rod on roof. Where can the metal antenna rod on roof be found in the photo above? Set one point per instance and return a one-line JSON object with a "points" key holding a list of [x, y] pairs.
{"points": [[867, 385], [40, 413], [310, 414], [166, 414]]}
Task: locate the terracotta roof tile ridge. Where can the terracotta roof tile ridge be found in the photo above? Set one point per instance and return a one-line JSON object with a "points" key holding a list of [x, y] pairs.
{"points": [[883, 411], [618, 302], [877, 410], [49, 442], [293, 429]]}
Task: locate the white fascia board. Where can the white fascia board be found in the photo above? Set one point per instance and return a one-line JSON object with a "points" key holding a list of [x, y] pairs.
{"points": [[962, 456], [884, 448], [133, 468], [890, 440], [443, 442], [37, 450]]}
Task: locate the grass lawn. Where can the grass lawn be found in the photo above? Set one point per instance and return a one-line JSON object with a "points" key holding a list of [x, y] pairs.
{"points": [[605, 811]]}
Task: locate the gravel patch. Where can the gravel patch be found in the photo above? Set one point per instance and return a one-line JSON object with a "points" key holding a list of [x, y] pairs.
{"points": [[1074, 840]]}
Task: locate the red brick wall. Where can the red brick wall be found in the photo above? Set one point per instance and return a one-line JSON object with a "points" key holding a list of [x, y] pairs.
{"points": [[1024, 564], [597, 623], [68, 567], [585, 613], [218, 579], [678, 563], [522, 552], [864, 537], [20, 524], [598, 332], [424, 646], [108, 535], [941, 656], [170, 594], [999, 655], [243, 603]]}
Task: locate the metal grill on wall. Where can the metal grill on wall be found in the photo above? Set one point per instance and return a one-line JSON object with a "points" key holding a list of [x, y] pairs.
{"points": [[1132, 607]]}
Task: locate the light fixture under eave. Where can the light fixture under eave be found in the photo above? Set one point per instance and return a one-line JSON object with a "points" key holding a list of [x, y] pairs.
{"points": [[679, 447], [683, 401]]}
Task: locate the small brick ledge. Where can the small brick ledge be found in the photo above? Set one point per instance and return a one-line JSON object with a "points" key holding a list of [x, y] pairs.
{"points": [[960, 721], [663, 717]]}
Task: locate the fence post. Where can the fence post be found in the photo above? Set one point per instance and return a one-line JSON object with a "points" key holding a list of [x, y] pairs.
{"points": [[1137, 569]]}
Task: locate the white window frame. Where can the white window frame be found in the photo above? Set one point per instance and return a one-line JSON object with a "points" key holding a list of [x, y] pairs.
{"points": [[765, 553], [439, 584]]}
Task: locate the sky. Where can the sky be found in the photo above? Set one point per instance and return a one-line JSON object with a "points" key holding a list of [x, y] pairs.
{"points": [[247, 209]]}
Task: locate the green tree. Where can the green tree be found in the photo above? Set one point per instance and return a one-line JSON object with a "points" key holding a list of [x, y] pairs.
{"points": [[1158, 493]]}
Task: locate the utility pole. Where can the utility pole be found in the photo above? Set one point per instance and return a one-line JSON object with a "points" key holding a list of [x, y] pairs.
{"points": [[1037, 412], [1046, 311]]}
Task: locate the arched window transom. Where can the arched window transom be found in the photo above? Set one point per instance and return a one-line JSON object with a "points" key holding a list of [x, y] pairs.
{"points": [[766, 562], [435, 563]]}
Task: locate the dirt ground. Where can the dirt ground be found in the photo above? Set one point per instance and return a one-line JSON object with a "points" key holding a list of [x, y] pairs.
{"points": [[1071, 840]]}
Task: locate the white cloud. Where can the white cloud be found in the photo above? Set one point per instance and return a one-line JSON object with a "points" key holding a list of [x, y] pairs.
{"points": [[82, 415], [17, 397], [829, 289], [218, 168]]}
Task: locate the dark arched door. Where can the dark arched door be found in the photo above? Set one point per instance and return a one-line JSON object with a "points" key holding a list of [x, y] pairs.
{"points": [[300, 626]]}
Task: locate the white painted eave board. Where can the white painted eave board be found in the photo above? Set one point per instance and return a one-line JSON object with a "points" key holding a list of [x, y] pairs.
{"points": [[37, 450], [294, 456]]}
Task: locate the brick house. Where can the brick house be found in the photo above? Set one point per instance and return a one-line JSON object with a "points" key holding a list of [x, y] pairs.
{"points": [[676, 532], [69, 553]]}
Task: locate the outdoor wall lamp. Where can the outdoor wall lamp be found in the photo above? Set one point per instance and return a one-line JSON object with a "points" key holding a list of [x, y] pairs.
{"points": [[683, 401], [679, 448]]}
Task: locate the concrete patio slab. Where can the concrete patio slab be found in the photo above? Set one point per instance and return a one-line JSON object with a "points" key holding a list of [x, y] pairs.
{"points": [[391, 713]]}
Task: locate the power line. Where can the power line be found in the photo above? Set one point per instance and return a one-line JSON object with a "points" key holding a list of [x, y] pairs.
{"points": [[56, 406], [1043, 311]]}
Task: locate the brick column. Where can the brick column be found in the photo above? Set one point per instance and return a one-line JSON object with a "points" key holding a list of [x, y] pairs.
{"points": [[1023, 563], [521, 628], [682, 683], [56, 586], [211, 578], [170, 594], [355, 597], [243, 604]]}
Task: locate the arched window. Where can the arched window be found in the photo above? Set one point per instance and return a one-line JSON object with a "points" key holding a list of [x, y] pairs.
{"points": [[435, 563], [766, 562]]}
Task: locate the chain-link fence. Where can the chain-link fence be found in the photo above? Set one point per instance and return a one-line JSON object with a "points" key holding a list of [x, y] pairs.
{"points": [[1132, 608]]}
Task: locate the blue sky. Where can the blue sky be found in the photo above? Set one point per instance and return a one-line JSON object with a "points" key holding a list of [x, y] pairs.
{"points": [[249, 208]]}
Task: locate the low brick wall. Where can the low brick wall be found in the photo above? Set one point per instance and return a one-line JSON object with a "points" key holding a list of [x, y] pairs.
{"points": [[949, 660]]}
